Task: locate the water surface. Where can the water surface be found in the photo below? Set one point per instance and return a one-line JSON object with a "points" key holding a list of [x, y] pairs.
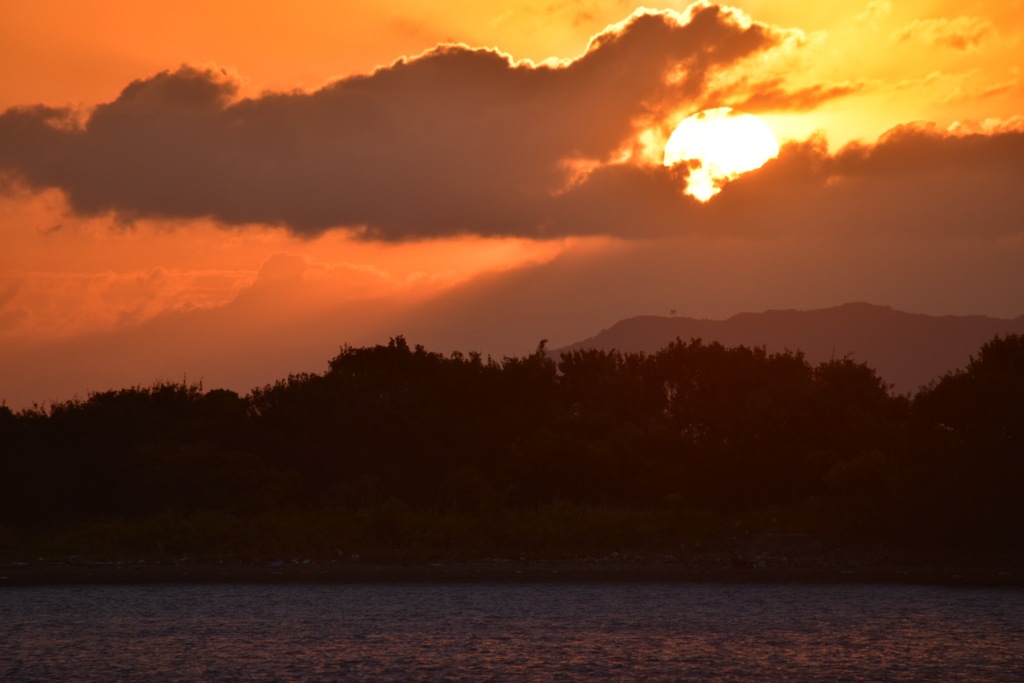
{"points": [[472, 632]]}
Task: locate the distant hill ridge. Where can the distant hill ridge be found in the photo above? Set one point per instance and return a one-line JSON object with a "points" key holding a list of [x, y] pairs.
{"points": [[907, 349]]}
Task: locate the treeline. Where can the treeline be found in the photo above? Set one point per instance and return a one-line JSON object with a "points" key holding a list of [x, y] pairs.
{"points": [[696, 428]]}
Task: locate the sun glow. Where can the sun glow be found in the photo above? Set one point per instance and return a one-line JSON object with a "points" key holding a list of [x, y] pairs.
{"points": [[723, 145]]}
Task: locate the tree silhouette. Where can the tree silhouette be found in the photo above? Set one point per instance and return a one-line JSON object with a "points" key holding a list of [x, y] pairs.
{"points": [[695, 426]]}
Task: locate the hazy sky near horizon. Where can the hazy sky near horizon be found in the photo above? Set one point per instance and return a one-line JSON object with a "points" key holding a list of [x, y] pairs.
{"points": [[228, 192]]}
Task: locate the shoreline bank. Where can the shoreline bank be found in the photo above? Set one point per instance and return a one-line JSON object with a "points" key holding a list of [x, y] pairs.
{"points": [[71, 572]]}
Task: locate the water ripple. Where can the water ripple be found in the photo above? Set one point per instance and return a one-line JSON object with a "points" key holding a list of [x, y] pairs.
{"points": [[495, 632]]}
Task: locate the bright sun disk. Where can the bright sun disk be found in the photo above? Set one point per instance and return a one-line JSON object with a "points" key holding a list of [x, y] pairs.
{"points": [[725, 145]]}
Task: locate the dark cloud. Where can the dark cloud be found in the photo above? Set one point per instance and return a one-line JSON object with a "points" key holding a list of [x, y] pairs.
{"points": [[772, 96], [457, 140], [460, 141], [914, 181]]}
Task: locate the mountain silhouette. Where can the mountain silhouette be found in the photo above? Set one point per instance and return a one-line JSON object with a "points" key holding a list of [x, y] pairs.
{"points": [[907, 349]]}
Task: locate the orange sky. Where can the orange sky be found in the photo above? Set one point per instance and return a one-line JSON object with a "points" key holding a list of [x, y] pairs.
{"points": [[906, 55], [435, 199]]}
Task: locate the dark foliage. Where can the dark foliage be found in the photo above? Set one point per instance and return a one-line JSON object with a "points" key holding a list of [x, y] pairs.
{"points": [[695, 426]]}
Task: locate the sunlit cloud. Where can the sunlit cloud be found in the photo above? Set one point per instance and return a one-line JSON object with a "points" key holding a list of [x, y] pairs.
{"points": [[64, 276], [52, 305], [875, 10], [961, 33], [774, 96], [483, 198], [455, 141]]}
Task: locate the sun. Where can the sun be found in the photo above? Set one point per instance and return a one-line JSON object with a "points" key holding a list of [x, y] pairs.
{"points": [[725, 145]]}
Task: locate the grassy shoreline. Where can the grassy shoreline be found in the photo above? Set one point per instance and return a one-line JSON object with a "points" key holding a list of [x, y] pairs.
{"points": [[559, 541], [860, 565]]}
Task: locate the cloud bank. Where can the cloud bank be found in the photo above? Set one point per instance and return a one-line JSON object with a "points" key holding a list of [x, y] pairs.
{"points": [[458, 143], [454, 141], [462, 141]]}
